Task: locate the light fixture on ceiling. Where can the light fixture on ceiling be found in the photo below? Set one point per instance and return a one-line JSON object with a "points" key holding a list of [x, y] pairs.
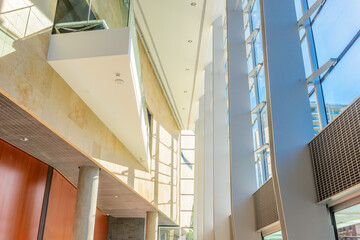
{"points": [[24, 139], [118, 80], [116, 196], [193, 4], [189, 41]]}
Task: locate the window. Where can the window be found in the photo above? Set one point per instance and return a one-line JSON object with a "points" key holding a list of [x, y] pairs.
{"points": [[274, 236], [257, 92], [332, 32], [348, 222]]}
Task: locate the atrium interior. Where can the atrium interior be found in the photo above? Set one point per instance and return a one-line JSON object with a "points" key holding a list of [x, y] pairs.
{"points": [[179, 119]]}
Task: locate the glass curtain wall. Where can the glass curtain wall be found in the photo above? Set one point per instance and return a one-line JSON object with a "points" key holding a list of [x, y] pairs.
{"points": [[348, 223], [329, 31], [274, 236], [255, 59]]}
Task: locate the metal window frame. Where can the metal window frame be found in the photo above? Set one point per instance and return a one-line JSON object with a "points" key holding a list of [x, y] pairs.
{"points": [[306, 22], [250, 43]]}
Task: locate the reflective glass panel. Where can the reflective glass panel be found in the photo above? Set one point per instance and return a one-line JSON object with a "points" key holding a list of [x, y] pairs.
{"points": [[336, 25], [342, 85], [264, 125], [306, 57], [261, 85], [274, 236], [348, 222], [258, 48], [256, 135], [315, 113], [256, 19]]}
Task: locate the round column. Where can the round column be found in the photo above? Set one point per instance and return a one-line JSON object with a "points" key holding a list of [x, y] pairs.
{"points": [[152, 225], [85, 209]]}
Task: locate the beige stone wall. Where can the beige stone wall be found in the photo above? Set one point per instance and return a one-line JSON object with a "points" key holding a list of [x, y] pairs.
{"points": [[26, 76]]}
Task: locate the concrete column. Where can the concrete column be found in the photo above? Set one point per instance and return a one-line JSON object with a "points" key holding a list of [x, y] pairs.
{"points": [[222, 202], [85, 209], [208, 155], [290, 126], [152, 226], [199, 174], [243, 178]]}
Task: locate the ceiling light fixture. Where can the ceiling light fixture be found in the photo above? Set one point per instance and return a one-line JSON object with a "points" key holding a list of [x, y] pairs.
{"points": [[193, 4], [24, 139], [118, 80], [116, 196], [189, 41]]}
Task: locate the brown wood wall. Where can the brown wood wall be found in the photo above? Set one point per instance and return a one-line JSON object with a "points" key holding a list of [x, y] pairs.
{"points": [[61, 211], [22, 187]]}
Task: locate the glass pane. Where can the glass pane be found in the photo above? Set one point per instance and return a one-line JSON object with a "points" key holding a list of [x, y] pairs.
{"points": [[348, 222], [250, 63], [261, 85], [258, 48], [252, 98], [258, 167], [268, 163], [264, 125], [342, 85], [274, 236], [256, 19], [256, 136], [315, 113], [335, 26], [298, 7], [306, 57]]}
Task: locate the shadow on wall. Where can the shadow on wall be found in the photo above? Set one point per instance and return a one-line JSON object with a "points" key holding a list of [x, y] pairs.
{"points": [[160, 185], [25, 28]]}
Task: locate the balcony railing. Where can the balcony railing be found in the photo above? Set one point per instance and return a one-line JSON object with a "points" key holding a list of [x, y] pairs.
{"points": [[87, 15]]}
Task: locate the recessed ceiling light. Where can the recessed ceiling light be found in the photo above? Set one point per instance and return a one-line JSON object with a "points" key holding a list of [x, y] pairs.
{"points": [[189, 41], [116, 196], [118, 80], [193, 4], [24, 139]]}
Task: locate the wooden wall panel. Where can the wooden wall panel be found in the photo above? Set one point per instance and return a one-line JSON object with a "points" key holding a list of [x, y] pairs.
{"points": [[61, 211], [101, 224], [22, 186]]}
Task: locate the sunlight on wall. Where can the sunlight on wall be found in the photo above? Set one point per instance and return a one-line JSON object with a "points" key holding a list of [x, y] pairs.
{"points": [[187, 173], [20, 19]]}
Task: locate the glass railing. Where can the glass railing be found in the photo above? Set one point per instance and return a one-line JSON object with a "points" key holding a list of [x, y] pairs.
{"points": [[87, 15], [174, 233]]}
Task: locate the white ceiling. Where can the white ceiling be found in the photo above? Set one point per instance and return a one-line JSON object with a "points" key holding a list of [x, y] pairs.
{"points": [[166, 27]]}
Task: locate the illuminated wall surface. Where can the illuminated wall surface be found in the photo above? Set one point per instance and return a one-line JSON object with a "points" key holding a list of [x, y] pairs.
{"points": [[25, 29], [332, 32]]}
